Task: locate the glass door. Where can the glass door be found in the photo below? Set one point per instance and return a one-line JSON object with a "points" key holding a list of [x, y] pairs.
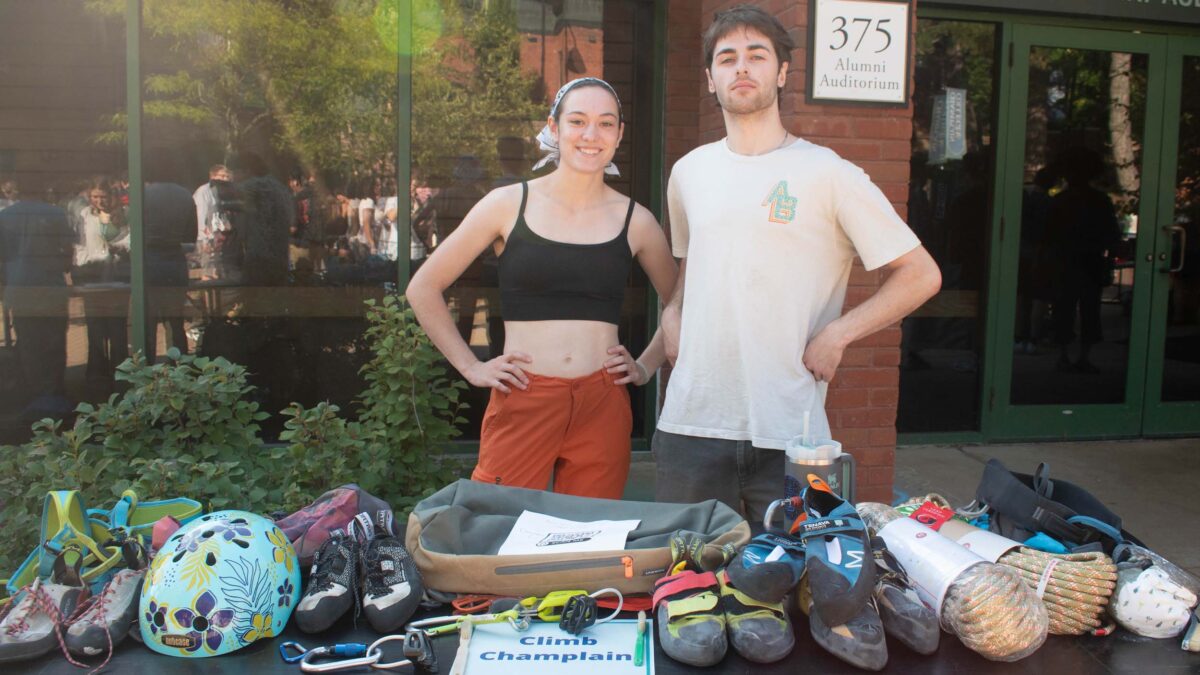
{"points": [[1173, 367], [1079, 220]]}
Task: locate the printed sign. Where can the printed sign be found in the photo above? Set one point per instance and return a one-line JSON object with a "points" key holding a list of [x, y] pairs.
{"points": [[948, 128], [538, 533], [608, 648], [858, 51]]}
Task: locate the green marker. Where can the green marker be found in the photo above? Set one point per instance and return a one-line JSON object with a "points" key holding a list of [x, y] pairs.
{"points": [[639, 651]]}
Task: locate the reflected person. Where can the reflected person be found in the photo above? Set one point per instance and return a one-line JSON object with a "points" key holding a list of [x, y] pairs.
{"points": [[1082, 231], [170, 223], [35, 255], [102, 272], [264, 225]]}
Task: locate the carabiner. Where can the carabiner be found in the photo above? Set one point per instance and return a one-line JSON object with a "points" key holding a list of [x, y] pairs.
{"points": [[374, 649], [358, 654], [300, 652], [437, 625]]}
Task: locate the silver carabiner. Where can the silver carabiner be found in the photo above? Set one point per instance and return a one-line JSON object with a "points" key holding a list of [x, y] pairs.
{"points": [[306, 665], [769, 516], [423, 625]]}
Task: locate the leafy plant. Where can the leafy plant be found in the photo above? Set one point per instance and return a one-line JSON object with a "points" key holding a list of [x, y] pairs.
{"points": [[406, 415], [187, 427]]}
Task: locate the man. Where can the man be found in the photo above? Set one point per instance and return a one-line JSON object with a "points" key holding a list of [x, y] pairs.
{"points": [[35, 255], [211, 223], [170, 217], [767, 226]]}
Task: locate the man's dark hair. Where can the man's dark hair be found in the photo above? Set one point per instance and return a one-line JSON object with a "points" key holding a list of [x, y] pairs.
{"points": [[747, 16]]}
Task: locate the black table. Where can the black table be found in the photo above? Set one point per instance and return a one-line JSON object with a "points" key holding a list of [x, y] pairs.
{"points": [[1120, 653]]}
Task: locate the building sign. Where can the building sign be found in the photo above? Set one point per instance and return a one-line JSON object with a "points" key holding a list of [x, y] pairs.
{"points": [[1172, 11], [858, 51]]}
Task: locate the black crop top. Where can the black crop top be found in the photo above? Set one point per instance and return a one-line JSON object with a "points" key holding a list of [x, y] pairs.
{"points": [[542, 279]]}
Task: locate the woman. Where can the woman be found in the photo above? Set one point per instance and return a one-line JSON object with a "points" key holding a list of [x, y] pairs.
{"points": [[102, 269], [565, 244]]}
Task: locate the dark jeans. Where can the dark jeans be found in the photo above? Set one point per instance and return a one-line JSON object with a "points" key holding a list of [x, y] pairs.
{"points": [[691, 469], [42, 351], [107, 317]]}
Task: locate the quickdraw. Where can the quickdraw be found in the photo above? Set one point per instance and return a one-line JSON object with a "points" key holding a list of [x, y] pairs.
{"points": [[349, 656]]}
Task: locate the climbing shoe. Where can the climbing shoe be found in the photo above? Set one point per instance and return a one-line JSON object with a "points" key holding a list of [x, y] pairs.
{"points": [[110, 616], [392, 587], [905, 616], [332, 585], [859, 642], [690, 620], [759, 631], [768, 567], [31, 627], [838, 558]]}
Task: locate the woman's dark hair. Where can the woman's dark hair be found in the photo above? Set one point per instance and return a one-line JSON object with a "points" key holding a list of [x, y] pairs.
{"points": [[747, 16], [585, 85]]}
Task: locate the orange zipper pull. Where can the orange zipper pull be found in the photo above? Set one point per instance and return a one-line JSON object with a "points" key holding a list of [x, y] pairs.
{"points": [[627, 561]]}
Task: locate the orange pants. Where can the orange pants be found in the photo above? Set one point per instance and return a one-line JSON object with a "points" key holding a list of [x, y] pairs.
{"points": [[574, 428]]}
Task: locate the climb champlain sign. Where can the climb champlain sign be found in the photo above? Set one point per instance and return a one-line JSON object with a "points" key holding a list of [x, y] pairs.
{"points": [[858, 51]]}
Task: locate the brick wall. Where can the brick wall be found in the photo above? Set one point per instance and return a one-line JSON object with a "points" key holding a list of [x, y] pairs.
{"points": [[862, 399]]}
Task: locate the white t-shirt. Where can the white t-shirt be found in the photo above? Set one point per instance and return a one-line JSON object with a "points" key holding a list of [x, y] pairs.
{"points": [[389, 241], [205, 198], [769, 241]]}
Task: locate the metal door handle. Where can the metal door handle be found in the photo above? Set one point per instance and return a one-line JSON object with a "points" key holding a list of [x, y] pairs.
{"points": [[1182, 247]]}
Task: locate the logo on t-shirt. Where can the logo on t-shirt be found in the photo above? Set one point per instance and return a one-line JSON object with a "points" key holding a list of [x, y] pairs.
{"points": [[782, 205]]}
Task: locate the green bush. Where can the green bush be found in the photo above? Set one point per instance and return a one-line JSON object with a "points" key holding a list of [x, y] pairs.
{"points": [[185, 428]]}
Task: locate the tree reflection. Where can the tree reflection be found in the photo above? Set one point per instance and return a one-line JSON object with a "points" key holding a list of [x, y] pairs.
{"points": [[316, 80]]}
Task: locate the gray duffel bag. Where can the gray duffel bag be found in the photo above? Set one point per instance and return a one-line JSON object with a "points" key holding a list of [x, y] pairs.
{"points": [[455, 533]]}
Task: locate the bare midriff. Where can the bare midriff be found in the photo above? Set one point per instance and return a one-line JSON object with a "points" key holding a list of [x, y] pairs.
{"points": [[561, 348]]}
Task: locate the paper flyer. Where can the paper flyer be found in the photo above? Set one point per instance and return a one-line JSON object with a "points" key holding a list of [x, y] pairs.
{"points": [[537, 533], [604, 649]]}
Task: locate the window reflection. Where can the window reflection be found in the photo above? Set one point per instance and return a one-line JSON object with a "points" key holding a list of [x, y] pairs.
{"points": [[279, 122], [1086, 115], [949, 207], [64, 234]]}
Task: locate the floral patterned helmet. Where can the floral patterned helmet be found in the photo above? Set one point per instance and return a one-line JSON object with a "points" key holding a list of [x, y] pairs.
{"points": [[219, 583]]}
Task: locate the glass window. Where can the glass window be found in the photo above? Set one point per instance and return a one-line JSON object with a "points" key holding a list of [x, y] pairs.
{"points": [[64, 237], [1086, 115], [484, 74], [949, 207], [270, 152]]}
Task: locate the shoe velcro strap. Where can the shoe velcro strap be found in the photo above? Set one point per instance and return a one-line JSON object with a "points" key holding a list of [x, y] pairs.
{"points": [[684, 582], [703, 603], [832, 525], [736, 603]]}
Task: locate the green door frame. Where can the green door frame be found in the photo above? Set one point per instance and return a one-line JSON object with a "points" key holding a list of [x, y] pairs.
{"points": [[993, 424], [1045, 422], [1167, 418]]}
